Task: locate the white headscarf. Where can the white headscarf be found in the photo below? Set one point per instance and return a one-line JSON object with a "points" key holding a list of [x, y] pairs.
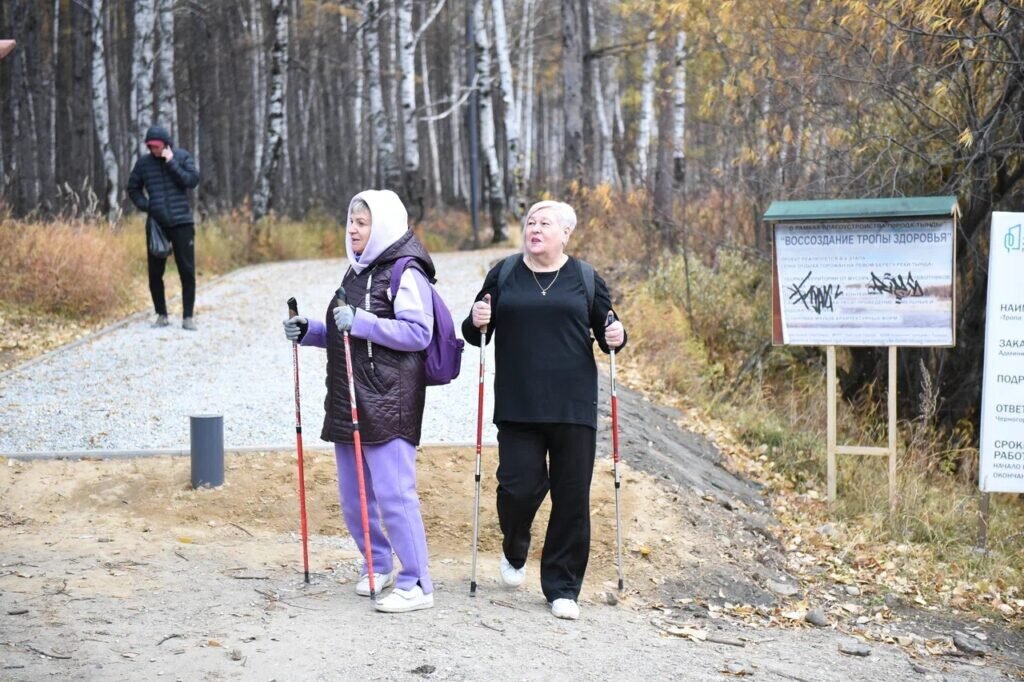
{"points": [[389, 221]]}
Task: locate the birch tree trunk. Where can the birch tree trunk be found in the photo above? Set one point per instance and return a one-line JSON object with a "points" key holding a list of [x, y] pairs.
{"points": [[643, 138], [274, 136], [527, 12], [55, 51], [407, 88], [257, 69], [290, 105], [312, 171], [663, 195], [357, 101], [613, 98], [488, 144], [526, 101], [167, 102], [100, 107], [30, 140], [435, 160], [460, 183], [514, 158], [388, 173], [679, 107], [572, 90], [389, 70], [606, 170], [142, 67]]}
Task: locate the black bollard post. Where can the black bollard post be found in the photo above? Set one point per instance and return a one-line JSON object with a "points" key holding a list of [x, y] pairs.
{"points": [[207, 450]]}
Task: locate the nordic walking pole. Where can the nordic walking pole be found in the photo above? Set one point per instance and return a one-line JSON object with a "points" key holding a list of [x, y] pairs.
{"points": [[479, 446], [293, 311], [615, 459], [359, 456]]}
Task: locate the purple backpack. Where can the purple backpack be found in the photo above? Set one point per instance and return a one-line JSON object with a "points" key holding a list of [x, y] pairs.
{"points": [[444, 354]]}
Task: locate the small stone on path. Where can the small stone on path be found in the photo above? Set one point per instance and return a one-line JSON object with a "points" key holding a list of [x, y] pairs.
{"points": [[783, 589], [967, 644], [855, 648], [817, 618]]}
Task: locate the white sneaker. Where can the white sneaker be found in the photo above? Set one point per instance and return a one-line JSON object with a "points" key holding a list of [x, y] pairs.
{"points": [[381, 581], [566, 609], [510, 575], [400, 601]]}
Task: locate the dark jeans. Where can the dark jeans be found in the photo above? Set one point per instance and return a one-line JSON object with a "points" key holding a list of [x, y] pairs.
{"points": [[183, 239], [533, 459]]}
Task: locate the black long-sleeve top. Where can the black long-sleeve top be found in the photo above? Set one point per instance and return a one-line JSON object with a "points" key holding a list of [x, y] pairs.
{"points": [[544, 360]]}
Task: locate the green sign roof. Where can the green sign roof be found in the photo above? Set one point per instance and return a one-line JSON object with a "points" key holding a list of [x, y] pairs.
{"points": [[843, 209]]}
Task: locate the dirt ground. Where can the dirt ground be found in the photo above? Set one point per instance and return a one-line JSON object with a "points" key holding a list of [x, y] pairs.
{"points": [[117, 569]]}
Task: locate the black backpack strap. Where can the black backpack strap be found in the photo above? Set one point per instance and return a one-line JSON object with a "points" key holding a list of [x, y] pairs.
{"points": [[587, 274], [507, 266]]}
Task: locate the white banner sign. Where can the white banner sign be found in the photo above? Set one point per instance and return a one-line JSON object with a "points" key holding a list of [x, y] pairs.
{"points": [[1002, 392], [866, 283]]}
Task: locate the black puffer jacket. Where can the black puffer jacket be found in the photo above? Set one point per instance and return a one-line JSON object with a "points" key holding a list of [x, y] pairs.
{"points": [[160, 187]]}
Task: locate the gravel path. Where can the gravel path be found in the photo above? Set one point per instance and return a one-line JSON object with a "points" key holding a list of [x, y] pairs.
{"points": [[132, 388]]}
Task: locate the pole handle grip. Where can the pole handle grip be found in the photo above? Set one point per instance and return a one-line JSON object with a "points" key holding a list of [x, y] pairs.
{"points": [[483, 330], [293, 307]]}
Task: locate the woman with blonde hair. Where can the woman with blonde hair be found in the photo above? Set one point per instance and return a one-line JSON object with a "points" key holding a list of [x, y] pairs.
{"points": [[545, 309]]}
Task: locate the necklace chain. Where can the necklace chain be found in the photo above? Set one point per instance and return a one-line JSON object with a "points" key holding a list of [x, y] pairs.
{"points": [[543, 289]]}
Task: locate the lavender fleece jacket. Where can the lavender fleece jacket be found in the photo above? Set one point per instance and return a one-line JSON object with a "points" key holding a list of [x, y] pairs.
{"points": [[410, 330]]}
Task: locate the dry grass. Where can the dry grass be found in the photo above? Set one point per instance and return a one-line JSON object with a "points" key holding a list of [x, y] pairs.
{"points": [[75, 269]]}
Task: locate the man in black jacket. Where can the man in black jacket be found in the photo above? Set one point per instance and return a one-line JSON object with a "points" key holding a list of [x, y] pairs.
{"points": [[158, 186]]}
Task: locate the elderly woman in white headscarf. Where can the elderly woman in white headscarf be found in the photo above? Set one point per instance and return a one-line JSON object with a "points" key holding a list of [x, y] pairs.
{"points": [[545, 308], [387, 334]]}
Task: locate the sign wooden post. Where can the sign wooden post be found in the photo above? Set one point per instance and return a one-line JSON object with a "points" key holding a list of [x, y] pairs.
{"points": [[830, 354], [983, 521], [834, 449]]}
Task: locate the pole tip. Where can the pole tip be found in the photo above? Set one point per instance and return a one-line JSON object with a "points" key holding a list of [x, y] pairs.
{"points": [[472, 589], [622, 585]]}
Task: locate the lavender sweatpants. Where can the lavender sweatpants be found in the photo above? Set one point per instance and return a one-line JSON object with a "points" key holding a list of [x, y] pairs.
{"points": [[389, 470]]}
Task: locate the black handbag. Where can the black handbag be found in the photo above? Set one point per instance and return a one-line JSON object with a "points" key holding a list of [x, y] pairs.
{"points": [[157, 241]]}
